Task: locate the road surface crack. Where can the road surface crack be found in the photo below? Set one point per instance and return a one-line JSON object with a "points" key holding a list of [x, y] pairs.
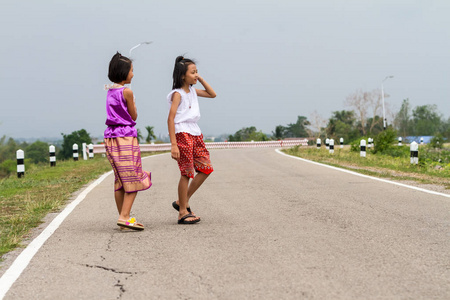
{"points": [[109, 269], [121, 289]]}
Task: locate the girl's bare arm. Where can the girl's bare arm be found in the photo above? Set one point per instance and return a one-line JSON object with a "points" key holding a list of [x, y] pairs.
{"points": [[176, 99], [208, 92], [131, 106]]}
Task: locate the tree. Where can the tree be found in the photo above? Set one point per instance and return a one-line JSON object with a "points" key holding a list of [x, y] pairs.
{"points": [[445, 128], [298, 129], [317, 125], [403, 119], [37, 152], [342, 124], [374, 125], [247, 134], [279, 132], [8, 149], [362, 103], [375, 122], [77, 137], [139, 135], [150, 134], [426, 120]]}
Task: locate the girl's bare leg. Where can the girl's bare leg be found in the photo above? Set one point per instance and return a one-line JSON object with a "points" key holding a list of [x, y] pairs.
{"points": [[193, 187], [128, 201], [196, 183], [119, 195], [183, 188]]}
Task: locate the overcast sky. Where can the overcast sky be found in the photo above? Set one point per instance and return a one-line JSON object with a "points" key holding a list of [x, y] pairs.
{"points": [[268, 61]]}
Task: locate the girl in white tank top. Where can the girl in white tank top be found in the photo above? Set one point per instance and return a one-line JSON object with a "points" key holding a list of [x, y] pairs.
{"points": [[188, 148]]}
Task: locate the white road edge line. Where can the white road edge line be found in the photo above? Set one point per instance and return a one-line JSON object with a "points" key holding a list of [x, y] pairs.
{"points": [[24, 258], [362, 175]]}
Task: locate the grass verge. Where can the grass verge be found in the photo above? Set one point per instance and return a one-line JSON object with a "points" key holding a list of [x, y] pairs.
{"points": [[385, 166]]}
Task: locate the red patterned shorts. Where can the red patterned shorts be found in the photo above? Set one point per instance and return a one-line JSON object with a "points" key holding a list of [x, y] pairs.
{"points": [[193, 155]]}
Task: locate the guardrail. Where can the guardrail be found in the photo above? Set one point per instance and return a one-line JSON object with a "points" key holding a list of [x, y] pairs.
{"points": [[219, 145]]}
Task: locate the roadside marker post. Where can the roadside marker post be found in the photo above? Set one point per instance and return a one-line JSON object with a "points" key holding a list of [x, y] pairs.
{"points": [[75, 152], [362, 152], [52, 152], [91, 150], [20, 155], [414, 149]]}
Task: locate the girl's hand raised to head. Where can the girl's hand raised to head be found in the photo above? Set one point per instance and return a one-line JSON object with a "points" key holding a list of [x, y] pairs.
{"points": [[175, 152], [208, 92]]}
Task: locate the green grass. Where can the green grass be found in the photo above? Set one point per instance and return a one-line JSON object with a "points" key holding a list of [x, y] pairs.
{"points": [[386, 166]]}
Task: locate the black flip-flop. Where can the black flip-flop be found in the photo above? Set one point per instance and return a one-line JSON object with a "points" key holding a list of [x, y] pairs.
{"points": [[183, 219], [177, 207]]}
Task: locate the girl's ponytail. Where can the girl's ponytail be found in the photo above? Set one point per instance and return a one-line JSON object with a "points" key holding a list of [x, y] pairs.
{"points": [[179, 59]]}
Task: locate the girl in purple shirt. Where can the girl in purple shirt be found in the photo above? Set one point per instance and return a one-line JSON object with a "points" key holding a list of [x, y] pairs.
{"points": [[122, 147]]}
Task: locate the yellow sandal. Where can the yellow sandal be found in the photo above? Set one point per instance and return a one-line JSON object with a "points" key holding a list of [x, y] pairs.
{"points": [[130, 224]]}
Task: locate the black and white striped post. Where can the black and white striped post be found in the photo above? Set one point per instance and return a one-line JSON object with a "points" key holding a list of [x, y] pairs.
{"points": [[52, 152], [20, 155], [362, 152], [91, 150], [331, 146], [369, 143], [327, 144], [400, 141], [341, 141], [414, 149], [75, 152], [319, 143], [421, 140]]}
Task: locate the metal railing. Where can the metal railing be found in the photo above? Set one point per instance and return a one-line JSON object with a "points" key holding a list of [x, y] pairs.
{"points": [[220, 145]]}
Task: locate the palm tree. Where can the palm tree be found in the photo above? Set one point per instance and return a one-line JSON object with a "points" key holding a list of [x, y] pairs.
{"points": [[139, 135], [150, 134]]}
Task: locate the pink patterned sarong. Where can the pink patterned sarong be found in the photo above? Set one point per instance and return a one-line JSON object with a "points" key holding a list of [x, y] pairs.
{"points": [[124, 155]]}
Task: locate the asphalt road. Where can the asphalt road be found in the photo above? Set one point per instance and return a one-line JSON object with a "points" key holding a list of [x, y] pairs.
{"points": [[272, 228]]}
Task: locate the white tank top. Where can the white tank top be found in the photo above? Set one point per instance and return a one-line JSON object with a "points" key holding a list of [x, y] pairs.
{"points": [[188, 112]]}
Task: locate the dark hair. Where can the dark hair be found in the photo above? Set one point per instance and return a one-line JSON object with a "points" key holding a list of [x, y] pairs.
{"points": [[180, 69], [119, 67]]}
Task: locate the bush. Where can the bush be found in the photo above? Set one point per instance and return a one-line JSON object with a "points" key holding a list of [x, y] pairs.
{"points": [[8, 167], [355, 145], [437, 142], [398, 151], [385, 141], [431, 155]]}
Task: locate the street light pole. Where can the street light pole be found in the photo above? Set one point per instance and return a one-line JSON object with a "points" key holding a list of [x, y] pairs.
{"points": [[382, 97], [129, 55], [143, 43]]}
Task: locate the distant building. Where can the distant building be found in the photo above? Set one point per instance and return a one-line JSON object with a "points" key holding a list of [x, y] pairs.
{"points": [[410, 139]]}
